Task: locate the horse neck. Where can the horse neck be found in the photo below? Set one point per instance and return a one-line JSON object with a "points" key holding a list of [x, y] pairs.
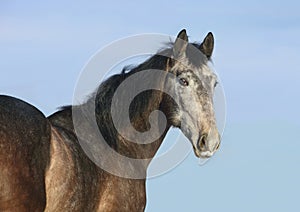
{"points": [[140, 122], [143, 105]]}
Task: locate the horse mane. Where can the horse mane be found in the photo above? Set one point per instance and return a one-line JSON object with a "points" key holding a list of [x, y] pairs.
{"points": [[101, 99]]}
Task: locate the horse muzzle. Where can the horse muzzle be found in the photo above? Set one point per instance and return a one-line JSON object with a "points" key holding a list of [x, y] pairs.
{"points": [[207, 144]]}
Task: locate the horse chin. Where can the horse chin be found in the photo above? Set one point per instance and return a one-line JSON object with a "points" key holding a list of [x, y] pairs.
{"points": [[203, 154], [203, 157]]}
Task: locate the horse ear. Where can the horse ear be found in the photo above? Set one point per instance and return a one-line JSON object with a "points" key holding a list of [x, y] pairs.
{"points": [[180, 43], [207, 46]]}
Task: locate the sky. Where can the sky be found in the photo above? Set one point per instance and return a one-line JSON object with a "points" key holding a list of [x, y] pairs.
{"points": [[45, 45]]}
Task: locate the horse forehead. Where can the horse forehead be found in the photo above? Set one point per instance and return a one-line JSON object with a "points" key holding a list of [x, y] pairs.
{"points": [[203, 72], [206, 73]]}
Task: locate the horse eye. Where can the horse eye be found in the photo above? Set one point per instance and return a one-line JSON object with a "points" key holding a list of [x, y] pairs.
{"points": [[183, 82]]}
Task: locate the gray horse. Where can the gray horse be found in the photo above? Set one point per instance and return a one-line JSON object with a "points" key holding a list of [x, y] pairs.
{"points": [[42, 162]]}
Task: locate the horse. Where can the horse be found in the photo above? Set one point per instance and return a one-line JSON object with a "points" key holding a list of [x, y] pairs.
{"points": [[45, 167]]}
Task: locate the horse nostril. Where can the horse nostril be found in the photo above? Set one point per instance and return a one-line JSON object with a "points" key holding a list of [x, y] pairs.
{"points": [[218, 146], [202, 142]]}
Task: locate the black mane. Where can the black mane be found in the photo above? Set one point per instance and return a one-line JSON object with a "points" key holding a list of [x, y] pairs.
{"points": [[107, 89], [102, 98]]}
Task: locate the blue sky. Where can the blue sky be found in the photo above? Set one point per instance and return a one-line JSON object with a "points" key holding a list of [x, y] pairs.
{"points": [[44, 46]]}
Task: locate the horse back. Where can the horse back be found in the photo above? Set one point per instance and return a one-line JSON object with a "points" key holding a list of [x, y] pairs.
{"points": [[25, 135]]}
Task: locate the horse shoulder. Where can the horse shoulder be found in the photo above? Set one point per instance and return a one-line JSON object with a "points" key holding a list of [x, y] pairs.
{"points": [[60, 176], [71, 179]]}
